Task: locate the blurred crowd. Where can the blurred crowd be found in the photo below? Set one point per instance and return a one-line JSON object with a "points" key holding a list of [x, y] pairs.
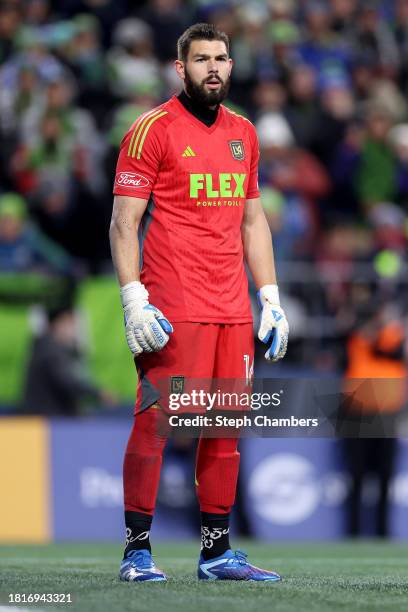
{"points": [[325, 83]]}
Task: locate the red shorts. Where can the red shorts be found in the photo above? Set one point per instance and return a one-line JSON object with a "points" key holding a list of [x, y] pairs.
{"points": [[196, 353]]}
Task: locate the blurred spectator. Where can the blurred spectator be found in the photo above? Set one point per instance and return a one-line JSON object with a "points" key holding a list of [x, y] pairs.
{"points": [[16, 101], [375, 393], [398, 138], [10, 19], [108, 13], [345, 203], [301, 180], [37, 12], [23, 248], [342, 16], [168, 19], [401, 38], [56, 382], [59, 128], [388, 221], [321, 46], [34, 46], [50, 155], [342, 245], [372, 185], [247, 45], [269, 97], [282, 9], [374, 38], [385, 93], [86, 60], [363, 75], [282, 55], [337, 110], [131, 61], [302, 111]]}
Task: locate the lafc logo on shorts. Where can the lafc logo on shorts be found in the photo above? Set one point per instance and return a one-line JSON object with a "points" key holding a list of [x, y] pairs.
{"points": [[237, 149], [177, 384]]}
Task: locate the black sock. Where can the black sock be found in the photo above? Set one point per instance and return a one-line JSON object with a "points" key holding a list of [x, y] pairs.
{"points": [[214, 534], [137, 531]]}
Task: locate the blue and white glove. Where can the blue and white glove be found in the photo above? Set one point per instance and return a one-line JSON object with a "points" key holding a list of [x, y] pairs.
{"points": [[146, 327], [273, 328]]}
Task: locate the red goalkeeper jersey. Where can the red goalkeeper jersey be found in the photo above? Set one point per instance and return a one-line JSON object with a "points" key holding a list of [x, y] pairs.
{"points": [[196, 180]]}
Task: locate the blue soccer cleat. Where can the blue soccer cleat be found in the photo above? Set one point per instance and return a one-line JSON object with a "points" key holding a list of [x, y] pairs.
{"points": [[233, 566], [138, 566]]}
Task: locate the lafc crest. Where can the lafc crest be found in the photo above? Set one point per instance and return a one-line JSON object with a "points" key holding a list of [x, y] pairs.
{"points": [[177, 384], [237, 149]]}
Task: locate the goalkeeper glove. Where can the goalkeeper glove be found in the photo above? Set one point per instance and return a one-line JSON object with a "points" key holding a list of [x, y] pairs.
{"points": [[146, 327], [273, 328]]}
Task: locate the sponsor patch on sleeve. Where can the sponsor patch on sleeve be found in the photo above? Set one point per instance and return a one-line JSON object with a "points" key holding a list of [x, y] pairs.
{"points": [[131, 180]]}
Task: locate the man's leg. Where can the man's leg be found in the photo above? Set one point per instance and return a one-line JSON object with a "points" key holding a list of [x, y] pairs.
{"points": [[141, 476], [217, 463], [385, 462], [187, 356], [216, 480], [355, 455], [217, 467]]}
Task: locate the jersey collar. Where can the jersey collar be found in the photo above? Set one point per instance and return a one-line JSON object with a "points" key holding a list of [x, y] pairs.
{"points": [[197, 122]]}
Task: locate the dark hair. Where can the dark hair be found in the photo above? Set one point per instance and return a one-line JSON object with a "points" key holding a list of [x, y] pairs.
{"points": [[199, 31]]}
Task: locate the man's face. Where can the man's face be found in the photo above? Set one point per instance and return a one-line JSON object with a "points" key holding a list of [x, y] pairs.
{"points": [[206, 73]]}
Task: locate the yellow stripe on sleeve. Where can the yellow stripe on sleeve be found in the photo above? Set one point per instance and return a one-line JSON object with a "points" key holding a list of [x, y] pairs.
{"points": [[138, 128], [146, 129], [141, 129], [132, 139]]}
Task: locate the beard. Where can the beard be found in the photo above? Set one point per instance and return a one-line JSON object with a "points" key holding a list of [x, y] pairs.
{"points": [[201, 96]]}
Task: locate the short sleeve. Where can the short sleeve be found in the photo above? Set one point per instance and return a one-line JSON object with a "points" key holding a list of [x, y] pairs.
{"points": [[139, 160], [253, 187]]}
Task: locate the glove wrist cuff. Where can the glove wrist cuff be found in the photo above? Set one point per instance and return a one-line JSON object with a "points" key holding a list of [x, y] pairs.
{"points": [[133, 292], [269, 293]]}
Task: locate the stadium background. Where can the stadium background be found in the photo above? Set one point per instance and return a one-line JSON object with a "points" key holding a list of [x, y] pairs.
{"points": [[325, 84]]}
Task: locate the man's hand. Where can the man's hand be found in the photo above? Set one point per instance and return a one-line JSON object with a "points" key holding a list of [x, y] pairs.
{"points": [[273, 328], [147, 328]]}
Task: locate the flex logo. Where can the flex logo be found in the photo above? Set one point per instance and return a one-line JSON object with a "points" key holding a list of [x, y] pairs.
{"points": [[225, 185]]}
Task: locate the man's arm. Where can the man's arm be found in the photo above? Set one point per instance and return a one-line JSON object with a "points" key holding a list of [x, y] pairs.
{"points": [[126, 216], [258, 251], [257, 241], [146, 327]]}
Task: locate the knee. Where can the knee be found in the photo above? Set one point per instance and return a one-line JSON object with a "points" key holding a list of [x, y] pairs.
{"points": [[147, 435]]}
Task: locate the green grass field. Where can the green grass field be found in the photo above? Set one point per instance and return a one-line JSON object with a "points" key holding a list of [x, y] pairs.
{"points": [[346, 576]]}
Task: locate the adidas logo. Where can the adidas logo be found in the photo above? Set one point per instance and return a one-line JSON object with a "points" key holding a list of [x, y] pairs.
{"points": [[189, 152]]}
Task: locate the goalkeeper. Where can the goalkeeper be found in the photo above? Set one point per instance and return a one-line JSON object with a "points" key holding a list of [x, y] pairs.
{"points": [[187, 214]]}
